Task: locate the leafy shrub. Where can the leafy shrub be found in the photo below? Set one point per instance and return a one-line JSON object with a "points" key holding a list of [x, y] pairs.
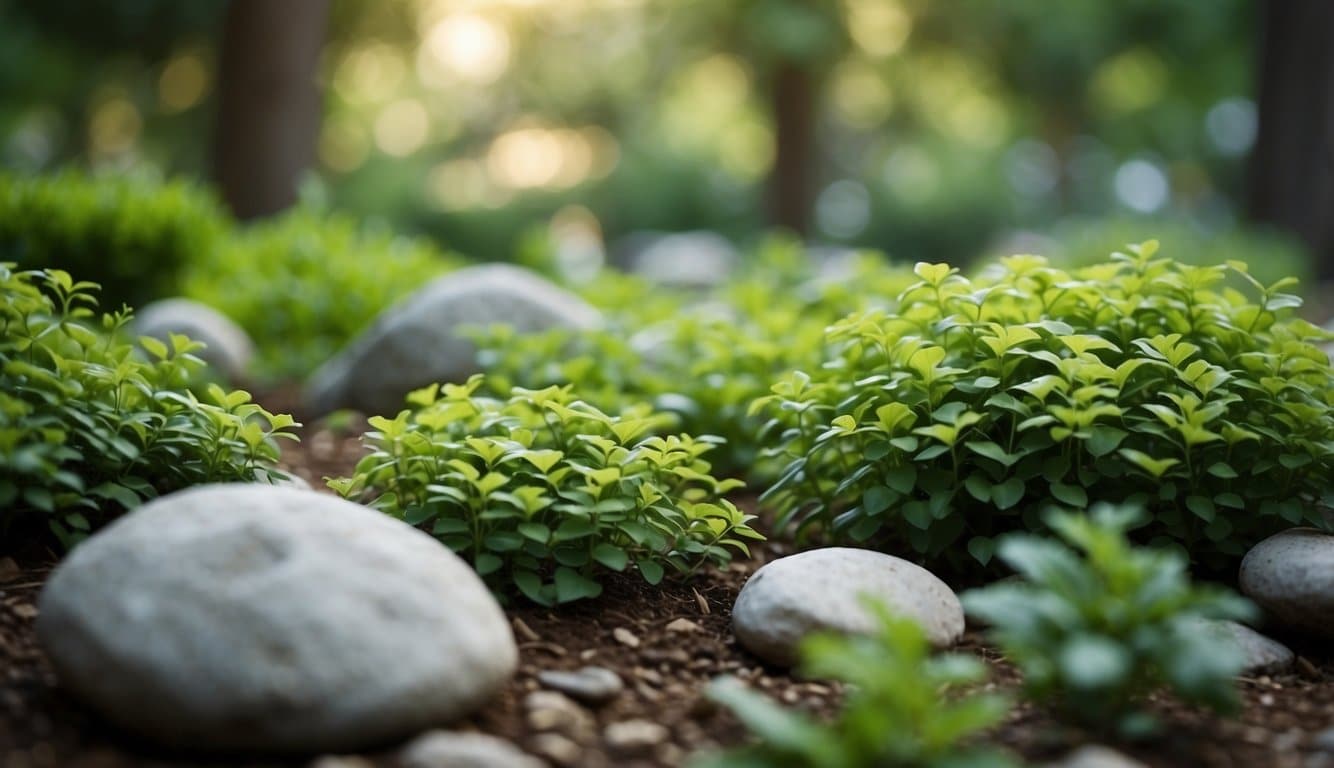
{"points": [[88, 429], [541, 492], [131, 235], [305, 284], [899, 710], [1095, 634], [975, 404], [704, 362]]}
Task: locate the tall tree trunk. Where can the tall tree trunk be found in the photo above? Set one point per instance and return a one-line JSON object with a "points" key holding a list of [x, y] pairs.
{"points": [[269, 104], [792, 182], [1292, 166]]}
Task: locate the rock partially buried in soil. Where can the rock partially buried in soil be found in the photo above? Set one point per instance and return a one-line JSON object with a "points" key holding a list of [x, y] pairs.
{"points": [[1261, 653], [262, 618], [1291, 576], [593, 685], [821, 590], [419, 341], [450, 749], [228, 350]]}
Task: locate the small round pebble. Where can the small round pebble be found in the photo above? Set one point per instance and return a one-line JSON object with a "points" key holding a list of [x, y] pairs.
{"points": [[451, 749], [634, 734], [823, 589], [591, 685]]}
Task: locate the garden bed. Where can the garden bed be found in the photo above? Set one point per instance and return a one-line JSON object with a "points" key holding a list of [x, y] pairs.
{"points": [[666, 643]]}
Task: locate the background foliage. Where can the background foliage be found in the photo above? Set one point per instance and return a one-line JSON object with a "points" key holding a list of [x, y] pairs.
{"points": [[941, 125]]}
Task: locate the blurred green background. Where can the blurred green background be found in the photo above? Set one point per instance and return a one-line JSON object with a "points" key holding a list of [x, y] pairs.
{"points": [[928, 130]]}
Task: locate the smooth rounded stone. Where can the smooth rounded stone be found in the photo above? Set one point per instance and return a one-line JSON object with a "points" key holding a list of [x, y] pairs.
{"points": [[593, 685], [1096, 756], [554, 711], [256, 617], [419, 341], [1291, 576], [699, 259], [822, 589], [635, 734], [1261, 653], [228, 349], [452, 749]]}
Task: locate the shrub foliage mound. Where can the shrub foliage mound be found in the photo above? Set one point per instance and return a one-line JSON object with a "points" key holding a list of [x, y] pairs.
{"points": [[89, 429], [133, 236], [542, 492], [1098, 625], [974, 404]]}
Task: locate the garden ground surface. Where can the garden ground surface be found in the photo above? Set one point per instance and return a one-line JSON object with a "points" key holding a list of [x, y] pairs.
{"points": [[666, 643]]}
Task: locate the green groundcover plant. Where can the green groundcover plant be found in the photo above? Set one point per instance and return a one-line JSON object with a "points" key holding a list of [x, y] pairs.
{"points": [[904, 708], [305, 284], [974, 404], [132, 235], [1097, 625], [702, 360], [542, 492], [89, 429]]}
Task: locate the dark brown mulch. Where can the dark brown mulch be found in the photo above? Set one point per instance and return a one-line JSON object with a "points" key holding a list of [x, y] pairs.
{"points": [[667, 643]]}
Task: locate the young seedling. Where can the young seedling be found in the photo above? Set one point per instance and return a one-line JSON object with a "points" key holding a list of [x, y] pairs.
{"points": [[1096, 625]]}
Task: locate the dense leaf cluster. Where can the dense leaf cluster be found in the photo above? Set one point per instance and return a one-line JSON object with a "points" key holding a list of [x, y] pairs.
{"points": [[133, 236], [904, 708], [1098, 625], [542, 492], [972, 405], [88, 428]]}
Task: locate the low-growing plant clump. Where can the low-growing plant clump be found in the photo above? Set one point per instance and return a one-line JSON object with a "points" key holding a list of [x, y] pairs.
{"points": [[904, 707], [304, 285], [133, 236], [542, 492], [972, 405], [89, 429], [1097, 625]]}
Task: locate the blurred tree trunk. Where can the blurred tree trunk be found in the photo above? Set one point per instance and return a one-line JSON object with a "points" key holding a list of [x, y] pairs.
{"points": [[269, 104], [1292, 166], [791, 184]]}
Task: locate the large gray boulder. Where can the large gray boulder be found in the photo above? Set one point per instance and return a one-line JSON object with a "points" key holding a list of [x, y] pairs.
{"points": [[1291, 576], [823, 590], [419, 342], [227, 348], [255, 617]]}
